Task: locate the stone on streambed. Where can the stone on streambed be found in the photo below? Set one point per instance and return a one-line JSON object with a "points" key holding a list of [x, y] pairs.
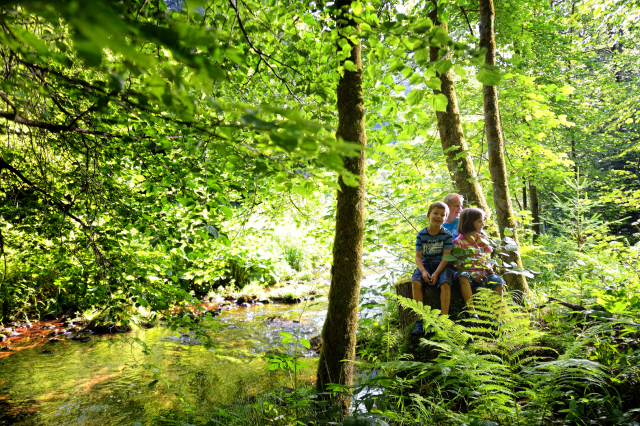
{"points": [[100, 326]]}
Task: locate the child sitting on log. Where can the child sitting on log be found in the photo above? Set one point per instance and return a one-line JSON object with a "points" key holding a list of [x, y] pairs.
{"points": [[432, 243], [475, 272]]}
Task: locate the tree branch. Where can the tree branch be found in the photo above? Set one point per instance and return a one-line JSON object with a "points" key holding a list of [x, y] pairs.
{"points": [[64, 208], [464, 12]]}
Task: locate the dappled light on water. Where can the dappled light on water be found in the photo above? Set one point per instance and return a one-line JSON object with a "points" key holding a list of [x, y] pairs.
{"points": [[110, 382]]}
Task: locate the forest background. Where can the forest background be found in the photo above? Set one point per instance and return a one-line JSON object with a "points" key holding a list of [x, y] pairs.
{"points": [[155, 151]]}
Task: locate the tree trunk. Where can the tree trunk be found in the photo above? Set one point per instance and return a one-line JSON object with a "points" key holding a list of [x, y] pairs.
{"points": [[497, 167], [339, 331], [452, 136], [535, 210]]}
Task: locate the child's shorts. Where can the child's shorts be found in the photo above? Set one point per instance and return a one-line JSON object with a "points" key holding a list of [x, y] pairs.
{"points": [[445, 276], [491, 281]]}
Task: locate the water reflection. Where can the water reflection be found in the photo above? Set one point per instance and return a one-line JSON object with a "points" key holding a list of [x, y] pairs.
{"points": [[103, 382], [106, 382]]}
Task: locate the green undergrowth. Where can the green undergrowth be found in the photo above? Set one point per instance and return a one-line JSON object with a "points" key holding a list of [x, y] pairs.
{"points": [[570, 361]]}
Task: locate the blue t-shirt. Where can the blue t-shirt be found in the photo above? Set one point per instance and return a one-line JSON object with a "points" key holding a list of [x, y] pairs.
{"points": [[452, 227], [432, 246]]}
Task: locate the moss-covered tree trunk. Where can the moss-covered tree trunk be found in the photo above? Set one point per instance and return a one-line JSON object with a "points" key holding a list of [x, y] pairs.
{"points": [[535, 209], [339, 331], [452, 136], [431, 298], [495, 146]]}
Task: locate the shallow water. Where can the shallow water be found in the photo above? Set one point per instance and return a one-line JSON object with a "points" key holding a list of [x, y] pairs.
{"points": [[107, 382]]}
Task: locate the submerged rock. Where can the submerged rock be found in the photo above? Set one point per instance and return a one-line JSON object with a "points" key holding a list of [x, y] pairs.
{"points": [[183, 339], [47, 352]]}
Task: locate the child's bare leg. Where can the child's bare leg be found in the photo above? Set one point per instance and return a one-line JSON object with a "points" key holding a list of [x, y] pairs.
{"points": [[445, 298], [417, 291], [465, 289]]}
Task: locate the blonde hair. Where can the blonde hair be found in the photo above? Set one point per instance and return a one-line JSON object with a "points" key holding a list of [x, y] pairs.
{"points": [[438, 205], [449, 197]]}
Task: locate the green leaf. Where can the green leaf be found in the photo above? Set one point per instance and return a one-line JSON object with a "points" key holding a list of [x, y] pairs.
{"points": [[443, 66], [434, 83], [285, 334], [438, 102], [489, 76], [227, 211], [396, 65], [449, 257], [415, 96], [421, 56], [350, 66], [305, 343], [152, 384], [458, 69]]}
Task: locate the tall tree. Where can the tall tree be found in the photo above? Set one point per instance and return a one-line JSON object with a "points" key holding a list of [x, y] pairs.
{"points": [[339, 331], [452, 138], [535, 210], [495, 144]]}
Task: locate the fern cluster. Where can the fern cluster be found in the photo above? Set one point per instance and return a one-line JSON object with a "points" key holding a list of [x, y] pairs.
{"points": [[495, 368]]}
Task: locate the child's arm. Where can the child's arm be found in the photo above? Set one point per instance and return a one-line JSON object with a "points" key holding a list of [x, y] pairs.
{"points": [[425, 275], [443, 264]]}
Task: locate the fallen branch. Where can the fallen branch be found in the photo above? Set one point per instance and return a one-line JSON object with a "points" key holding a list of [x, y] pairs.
{"points": [[568, 305]]}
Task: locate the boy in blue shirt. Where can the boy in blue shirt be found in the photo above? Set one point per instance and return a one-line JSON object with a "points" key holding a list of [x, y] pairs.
{"points": [[454, 202], [432, 243]]}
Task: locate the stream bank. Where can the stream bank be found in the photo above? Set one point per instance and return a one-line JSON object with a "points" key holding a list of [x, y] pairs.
{"points": [[110, 381]]}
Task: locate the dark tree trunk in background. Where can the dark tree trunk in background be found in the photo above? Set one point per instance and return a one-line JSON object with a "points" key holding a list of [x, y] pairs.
{"points": [[535, 210], [524, 194], [452, 136], [497, 167], [339, 331]]}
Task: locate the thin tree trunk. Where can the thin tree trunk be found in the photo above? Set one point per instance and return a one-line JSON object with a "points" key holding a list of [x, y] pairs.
{"points": [[535, 210], [452, 136], [497, 167], [339, 331], [524, 194]]}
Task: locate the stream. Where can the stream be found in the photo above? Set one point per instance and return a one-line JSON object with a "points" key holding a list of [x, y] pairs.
{"points": [[110, 382]]}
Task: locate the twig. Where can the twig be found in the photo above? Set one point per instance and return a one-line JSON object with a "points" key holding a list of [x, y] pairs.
{"points": [[139, 10], [13, 107], [262, 55], [467, 18]]}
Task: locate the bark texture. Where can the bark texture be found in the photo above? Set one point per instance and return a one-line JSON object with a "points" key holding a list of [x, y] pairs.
{"points": [[452, 137], [495, 146], [535, 210], [339, 331]]}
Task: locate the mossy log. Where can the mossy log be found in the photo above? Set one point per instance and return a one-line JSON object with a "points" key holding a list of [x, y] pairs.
{"points": [[431, 298]]}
